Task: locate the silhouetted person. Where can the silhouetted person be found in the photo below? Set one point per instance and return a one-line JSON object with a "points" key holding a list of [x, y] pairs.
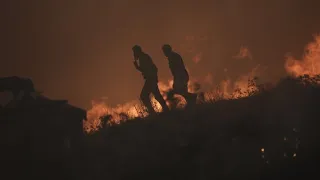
{"points": [[150, 74], [180, 75]]}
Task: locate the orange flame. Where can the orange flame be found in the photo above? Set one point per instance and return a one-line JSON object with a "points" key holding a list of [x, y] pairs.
{"points": [[134, 109], [310, 62], [131, 109]]}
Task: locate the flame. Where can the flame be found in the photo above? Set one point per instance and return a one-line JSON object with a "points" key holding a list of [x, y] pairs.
{"points": [[99, 109], [310, 62], [226, 89], [134, 109], [242, 87]]}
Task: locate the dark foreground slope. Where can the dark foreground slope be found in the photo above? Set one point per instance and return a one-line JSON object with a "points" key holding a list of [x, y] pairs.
{"points": [[271, 135]]}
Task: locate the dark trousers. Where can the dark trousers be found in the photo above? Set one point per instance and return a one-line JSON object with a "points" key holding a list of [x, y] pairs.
{"points": [[151, 86], [180, 86]]}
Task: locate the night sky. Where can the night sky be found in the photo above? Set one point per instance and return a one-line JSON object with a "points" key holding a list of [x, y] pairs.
{"points": [[80, 50]]}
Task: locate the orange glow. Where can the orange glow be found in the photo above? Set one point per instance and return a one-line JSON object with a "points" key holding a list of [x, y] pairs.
{"points": [[196, 59], [226, 89], [135, 109], [310, 62], [131, 109], [243, 53]]}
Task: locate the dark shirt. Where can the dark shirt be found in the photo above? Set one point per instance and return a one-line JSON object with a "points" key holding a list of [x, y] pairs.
{"points": [[176, 65], [146, 66]]}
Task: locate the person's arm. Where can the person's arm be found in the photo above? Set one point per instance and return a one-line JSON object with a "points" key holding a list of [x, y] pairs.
{"points": [[171, 67], [136, 65]]}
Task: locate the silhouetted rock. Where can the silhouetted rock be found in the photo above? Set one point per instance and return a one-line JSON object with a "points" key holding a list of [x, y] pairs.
{"points": [[37, 132]]}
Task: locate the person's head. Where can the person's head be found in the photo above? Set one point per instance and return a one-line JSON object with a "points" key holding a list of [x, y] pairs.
{"points": [[166, 48], [136, 51]]}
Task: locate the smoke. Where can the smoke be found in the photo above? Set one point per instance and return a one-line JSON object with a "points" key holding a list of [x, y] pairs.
{"points": [[227, 88], [197, 58], [134, 109], [309, 63], [243, 53]]}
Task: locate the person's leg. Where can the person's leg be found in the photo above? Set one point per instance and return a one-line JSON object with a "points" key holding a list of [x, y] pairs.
{"points": [[157, 95], [145, 96], [191, 98], [180, 87], [170, 94]]}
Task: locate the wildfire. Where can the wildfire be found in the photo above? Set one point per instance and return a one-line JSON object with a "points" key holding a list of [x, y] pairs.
{"points": [[128, 110], [100, 109], [135, 109], [310, 62]]}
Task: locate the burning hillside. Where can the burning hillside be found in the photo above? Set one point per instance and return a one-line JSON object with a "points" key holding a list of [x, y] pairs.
{"points": [[244, 86]]}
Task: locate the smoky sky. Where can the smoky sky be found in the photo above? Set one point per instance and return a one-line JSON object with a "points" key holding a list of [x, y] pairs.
{"points": [[80, 50]]}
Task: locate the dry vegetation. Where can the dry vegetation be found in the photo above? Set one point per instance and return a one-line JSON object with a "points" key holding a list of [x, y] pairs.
{"points": [[263, 132], [271, 134]]}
